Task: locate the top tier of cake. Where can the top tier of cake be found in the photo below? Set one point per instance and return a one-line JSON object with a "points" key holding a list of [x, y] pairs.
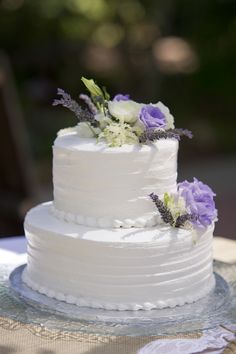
{"points": [[100, 186]]}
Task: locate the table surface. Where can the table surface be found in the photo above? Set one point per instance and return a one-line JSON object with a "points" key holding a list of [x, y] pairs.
{"points": [[23, 339]]}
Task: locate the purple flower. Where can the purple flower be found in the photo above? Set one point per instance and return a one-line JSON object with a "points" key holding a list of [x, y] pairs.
{"points": [[199, 199], [121, 97], [152, 117]]}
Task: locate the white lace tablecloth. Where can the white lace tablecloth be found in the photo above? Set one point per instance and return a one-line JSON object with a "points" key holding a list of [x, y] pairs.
{"points": [[212, 342], [217, 341]]}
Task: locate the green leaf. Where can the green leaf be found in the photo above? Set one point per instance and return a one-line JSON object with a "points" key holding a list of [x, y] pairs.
{"points": [[93, 88], [106, 94], [167, 199]]}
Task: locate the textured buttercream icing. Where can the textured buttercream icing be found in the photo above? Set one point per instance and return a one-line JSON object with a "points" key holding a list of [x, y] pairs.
{"points": [[96, 185], [122, 269]]}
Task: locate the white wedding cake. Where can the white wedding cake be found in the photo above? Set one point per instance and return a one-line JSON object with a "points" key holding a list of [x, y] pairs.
{"points": [[120, 233]]}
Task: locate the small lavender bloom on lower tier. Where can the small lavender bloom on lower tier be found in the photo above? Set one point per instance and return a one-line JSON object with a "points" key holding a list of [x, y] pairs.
{"points": [[89, 102], [192, 205], [121, 97], [182, 219], [83, 115], [163, 210], [199, 199], [152, 117]]}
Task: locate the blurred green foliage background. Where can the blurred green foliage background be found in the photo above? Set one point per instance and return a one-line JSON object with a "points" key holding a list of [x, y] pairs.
{"points": [[181, 52]]}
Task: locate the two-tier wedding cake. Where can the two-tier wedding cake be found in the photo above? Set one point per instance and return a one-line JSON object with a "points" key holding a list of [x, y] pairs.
{"points": [[121, 233]]}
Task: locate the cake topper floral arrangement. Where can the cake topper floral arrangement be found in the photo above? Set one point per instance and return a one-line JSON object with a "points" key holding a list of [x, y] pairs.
{"points": [[123, 121], [120, 120], [191, 206]]}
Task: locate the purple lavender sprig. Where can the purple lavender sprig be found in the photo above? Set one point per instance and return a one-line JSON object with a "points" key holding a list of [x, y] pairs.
{"points": [[154, 134], [89, 103], [83, 115], [182, 132], [163, 210], [182, 219]]}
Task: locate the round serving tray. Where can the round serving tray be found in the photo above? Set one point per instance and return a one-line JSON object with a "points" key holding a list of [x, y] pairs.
{"points": [[19, 302]]}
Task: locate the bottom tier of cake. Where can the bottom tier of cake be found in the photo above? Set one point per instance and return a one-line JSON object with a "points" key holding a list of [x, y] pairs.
{"points": [[116, 269]]}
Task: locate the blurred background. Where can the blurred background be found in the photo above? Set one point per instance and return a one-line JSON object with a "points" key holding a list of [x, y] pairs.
{"points": [[180, 52]]}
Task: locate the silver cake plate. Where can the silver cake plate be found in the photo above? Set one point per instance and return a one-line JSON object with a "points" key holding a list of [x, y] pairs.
{"points": [[19, 302]]}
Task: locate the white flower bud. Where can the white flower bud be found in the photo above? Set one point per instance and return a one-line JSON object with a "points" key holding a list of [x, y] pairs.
{"points": [[103, 120], [84, 130], [125, 111]]}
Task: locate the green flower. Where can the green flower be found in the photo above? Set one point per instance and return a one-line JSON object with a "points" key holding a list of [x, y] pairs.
{"points": [[117, 134]]}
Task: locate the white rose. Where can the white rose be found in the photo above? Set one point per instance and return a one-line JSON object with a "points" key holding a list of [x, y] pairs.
{"points": [[125, 111], [85, 130], [165, 110]]}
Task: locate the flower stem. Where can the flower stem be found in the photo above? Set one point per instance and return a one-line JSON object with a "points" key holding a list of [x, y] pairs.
{"points": [[91, 128]]}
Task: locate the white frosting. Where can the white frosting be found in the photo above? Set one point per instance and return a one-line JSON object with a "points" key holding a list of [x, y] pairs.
{"points": [[100, 186], [145, 221], [116, 268]]}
